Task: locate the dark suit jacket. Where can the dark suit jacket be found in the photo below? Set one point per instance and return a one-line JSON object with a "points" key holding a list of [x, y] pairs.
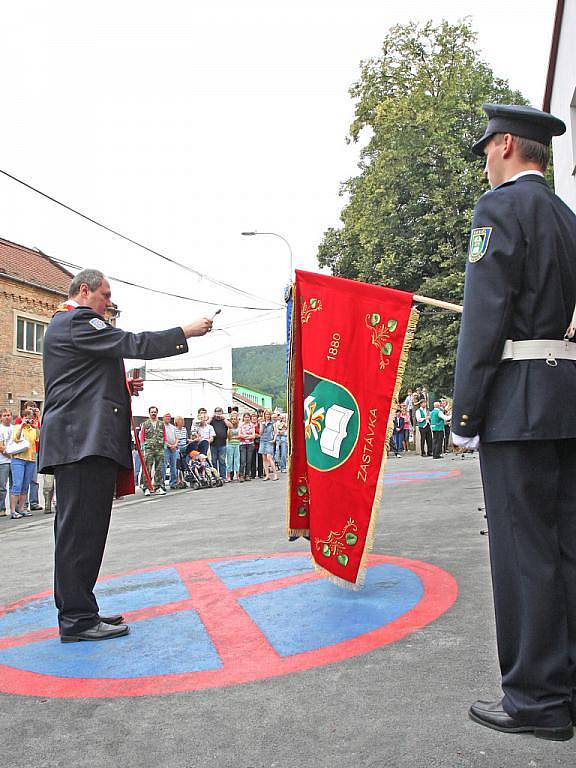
{"points": [[523, 287], [87, 404]]}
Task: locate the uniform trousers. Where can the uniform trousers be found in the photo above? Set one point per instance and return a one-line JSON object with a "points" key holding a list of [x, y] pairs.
{"points": [[530, 494], [154, 460], [85, 494]]}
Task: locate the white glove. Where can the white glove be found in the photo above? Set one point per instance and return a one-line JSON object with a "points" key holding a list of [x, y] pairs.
{"points": [[471, 443]]}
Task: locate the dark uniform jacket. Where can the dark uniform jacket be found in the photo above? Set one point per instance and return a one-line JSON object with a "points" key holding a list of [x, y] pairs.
{"points": [[87, 403], [520, 285]]}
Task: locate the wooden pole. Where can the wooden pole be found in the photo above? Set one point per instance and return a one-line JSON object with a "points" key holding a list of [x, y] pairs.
{"points": [[437, 303]]}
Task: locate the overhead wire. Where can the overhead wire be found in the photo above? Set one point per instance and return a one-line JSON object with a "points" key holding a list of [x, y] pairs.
{"points": [[196, 272], [163, 293]]}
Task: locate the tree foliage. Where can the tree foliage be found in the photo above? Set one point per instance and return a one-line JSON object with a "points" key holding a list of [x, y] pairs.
{"points": [[263, 369], [408, 213]]}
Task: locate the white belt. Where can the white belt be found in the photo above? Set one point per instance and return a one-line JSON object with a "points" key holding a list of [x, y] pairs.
{"points": [[539, 349]]}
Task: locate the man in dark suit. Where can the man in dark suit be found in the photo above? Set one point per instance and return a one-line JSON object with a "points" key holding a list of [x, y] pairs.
{"points": [[513, 367], [86, 440]]}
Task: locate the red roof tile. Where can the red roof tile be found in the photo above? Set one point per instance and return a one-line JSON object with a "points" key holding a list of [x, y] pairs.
{"points": [[32, 266]]}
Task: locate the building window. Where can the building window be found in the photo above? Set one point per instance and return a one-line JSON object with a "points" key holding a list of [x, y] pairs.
{"points": [[29, 335]]}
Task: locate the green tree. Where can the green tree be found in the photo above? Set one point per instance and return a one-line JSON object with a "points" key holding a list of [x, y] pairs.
{"points": [[408, 213]]}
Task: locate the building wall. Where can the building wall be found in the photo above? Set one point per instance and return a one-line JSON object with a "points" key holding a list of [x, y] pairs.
{"points": [[563, 105], [261, 399], [21, 372]]}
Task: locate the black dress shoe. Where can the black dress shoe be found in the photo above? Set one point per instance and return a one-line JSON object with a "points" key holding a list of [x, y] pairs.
{"points": [[492, 715], [116, 619], [100, 632]]}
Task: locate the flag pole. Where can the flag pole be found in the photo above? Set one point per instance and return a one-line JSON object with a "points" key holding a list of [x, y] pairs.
{"points": [[437, 303]]}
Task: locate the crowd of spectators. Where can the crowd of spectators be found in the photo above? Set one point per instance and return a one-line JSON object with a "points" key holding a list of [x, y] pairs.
{"points": [[238, 448], [421, 425]]}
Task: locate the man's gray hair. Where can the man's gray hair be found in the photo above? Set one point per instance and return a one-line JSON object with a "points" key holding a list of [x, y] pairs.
{"points": [[91, 277]]}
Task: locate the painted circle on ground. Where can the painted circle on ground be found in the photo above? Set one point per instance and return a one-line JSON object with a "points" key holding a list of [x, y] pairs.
{"points": [[218, 622]]}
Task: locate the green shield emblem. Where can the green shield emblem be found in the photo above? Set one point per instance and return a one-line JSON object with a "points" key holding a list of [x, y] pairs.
{"points": [[479, 239], [331, 423]]}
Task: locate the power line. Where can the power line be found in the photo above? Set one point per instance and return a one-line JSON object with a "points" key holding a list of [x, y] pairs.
{"points": [[162, 293], [131, 240]]}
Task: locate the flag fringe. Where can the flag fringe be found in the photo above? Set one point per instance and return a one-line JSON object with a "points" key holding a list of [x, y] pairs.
{"points": [[408, 339]]}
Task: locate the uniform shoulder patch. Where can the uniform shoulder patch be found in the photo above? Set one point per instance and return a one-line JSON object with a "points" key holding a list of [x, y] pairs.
{"points": [[97, 323], [479, 239]]}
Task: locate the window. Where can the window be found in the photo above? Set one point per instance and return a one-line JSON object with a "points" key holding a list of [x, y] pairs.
{"points": [[29, 335]]}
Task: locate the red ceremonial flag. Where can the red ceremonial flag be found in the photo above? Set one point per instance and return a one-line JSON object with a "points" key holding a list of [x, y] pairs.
{"points": [[349, 345]]}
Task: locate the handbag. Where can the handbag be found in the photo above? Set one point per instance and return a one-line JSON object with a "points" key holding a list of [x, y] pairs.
{"points": [[14, 447]]}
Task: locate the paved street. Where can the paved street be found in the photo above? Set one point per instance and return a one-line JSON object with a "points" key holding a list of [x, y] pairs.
{"points": [[402, 704]]}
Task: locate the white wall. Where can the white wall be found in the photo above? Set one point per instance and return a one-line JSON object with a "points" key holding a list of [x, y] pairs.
{"points": [[180, 385], [563, 105]]}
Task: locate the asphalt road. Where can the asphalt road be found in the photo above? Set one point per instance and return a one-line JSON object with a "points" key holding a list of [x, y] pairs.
{"points": [[402, 705]]}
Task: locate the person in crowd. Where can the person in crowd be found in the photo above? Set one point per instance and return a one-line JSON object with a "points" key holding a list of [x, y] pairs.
{"points": [[181, 432], [205, 430], [233, 448], [33, 501], [266, 448], [23, 464], [397, 432], [86, 439], [170, 459], [409, 404], [136, 462], [256, 466], [281, 439], [246, 435], [6, 432], [437, 428], [446, 407], [423, 424], [48, 491], [152, 439], [220, 425], [406, 436]]}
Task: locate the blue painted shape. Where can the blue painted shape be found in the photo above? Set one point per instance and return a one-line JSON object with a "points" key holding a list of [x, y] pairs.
{"points": [[242, 573], [122, 593], [305, 617], [163, 645]]}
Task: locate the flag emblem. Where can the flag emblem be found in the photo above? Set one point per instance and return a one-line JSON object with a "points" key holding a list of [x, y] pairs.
{"points": [[331, 422]]}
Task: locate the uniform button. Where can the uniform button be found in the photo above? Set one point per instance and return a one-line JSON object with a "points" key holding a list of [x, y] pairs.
{"points": [[464, 417], [462, 423], [115, 410]]}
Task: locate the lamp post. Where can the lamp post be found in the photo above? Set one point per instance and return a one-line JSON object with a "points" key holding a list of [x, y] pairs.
{"points": [[274, 234]]}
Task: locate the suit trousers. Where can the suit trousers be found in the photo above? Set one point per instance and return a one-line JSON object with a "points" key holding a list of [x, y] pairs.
{"points": [[85, 494], [530, 493]]}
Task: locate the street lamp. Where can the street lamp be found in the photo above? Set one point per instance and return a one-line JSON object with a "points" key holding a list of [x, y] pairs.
{"points": [[274, 234]]}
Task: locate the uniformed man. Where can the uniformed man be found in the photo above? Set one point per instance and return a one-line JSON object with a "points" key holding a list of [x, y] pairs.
{"points": [[86, 440], [513, 368]]}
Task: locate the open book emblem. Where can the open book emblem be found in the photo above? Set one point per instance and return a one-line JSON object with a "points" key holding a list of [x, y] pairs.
{"points": [[327, 426], [331, 422]]}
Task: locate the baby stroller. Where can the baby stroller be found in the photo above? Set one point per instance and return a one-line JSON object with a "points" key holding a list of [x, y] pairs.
{"points": [[201, 473]]}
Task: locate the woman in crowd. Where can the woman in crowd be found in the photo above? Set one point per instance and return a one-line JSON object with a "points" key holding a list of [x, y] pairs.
{"points": [[233, 448], [23, 464], [246, 435], [281, 437], [406, 437], [256, 461], [266, 449]]}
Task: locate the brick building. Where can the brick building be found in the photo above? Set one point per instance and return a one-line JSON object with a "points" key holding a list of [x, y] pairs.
{"points": [[31, 287]]}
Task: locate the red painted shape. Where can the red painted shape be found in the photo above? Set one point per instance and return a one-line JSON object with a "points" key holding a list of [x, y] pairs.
{"points": [[245, 652]]}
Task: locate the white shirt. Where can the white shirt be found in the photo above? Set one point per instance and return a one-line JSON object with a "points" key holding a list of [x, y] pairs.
{"points": [[5, 435], [523, 173]]}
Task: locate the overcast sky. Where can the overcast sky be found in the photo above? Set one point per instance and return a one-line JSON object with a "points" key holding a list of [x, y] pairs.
{"points": [[182, 124]]}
